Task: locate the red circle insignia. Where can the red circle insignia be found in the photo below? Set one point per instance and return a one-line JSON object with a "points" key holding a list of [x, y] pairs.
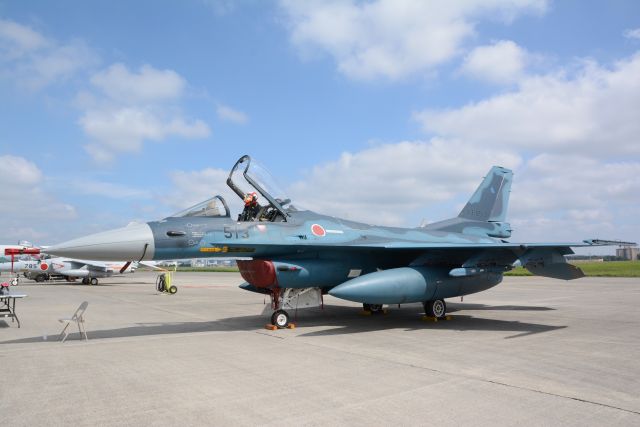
{"points": [[318, 230], [44, 266]]}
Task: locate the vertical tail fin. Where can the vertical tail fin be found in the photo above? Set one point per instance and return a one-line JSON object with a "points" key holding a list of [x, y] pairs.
{"points": [[491, 199], [486, 211]]}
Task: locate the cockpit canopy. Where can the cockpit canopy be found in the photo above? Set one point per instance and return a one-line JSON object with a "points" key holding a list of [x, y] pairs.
{"points": [[248, 176], [212, 208]]}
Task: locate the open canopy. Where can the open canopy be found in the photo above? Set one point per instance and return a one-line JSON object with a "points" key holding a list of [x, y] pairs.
{"points": [[248, 176]]}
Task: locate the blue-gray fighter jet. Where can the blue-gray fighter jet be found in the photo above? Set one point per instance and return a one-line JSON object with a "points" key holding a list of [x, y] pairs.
{"points": [[296, 256]]}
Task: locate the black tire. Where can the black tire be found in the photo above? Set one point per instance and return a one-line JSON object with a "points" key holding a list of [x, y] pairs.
{"points": [[280, 318], [93, 281], [161, 284], [85, 281], [373, 308], [40, 278], [173, 289], [436, 308]]}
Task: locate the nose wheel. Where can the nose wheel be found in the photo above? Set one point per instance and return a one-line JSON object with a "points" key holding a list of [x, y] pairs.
{"points": [[280, 318]]}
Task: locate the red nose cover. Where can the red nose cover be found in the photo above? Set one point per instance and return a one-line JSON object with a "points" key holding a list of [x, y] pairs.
{"points": [[257, 272]]}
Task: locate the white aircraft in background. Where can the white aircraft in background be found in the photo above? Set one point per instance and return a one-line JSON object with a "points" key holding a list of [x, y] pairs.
{"points": [[70, 269]]}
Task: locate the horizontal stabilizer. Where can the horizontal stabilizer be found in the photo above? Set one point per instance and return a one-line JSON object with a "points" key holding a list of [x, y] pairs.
{"points": [[601, 242]]}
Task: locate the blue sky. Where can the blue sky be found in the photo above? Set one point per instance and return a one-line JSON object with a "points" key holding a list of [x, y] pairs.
{"points": [[384, 111]]}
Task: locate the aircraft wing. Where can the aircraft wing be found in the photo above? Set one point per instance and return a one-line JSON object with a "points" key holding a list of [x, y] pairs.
{"points": [[91, 265], [541, 259], [506, 245]]}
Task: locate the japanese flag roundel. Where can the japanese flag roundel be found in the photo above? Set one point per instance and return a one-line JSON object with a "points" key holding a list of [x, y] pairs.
{"points": [[44, 266], [318, 230]]}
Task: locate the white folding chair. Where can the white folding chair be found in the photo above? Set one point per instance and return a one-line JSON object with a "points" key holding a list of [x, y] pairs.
{"points": [[78, 319]]}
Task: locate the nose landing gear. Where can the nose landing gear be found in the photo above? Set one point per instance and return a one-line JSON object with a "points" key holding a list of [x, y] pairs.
{"points": [[290, 299], [280, 318]]}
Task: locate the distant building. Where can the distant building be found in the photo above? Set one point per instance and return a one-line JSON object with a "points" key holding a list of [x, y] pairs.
{"points": [[627, 253]]}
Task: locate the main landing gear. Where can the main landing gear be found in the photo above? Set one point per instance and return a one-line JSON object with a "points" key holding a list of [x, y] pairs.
{"points": [[90, 281], [372, 308], [436, 309]]}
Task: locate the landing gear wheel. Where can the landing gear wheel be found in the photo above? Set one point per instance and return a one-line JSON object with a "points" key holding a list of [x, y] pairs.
{"points": [[280, 318], [93, 281], [40, 278], [173, 289], [436, 308], [85, 281], [373, 308]]}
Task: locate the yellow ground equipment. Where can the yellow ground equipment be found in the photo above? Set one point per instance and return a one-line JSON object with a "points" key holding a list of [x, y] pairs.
{"points": [[163, 283]]}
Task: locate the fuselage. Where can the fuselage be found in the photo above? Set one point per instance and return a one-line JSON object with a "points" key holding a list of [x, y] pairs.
{"points": [[307, 250], [175, 238]]}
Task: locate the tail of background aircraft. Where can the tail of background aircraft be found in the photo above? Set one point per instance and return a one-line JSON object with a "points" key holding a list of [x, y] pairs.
{"points": [[485, 212]]}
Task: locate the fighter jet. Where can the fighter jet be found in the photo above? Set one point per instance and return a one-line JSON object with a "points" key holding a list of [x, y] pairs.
{"points": [[70, 269], [296, 256]]}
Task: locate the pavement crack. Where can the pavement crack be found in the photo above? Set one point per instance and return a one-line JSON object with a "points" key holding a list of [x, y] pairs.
{"points": [[485, 380]]}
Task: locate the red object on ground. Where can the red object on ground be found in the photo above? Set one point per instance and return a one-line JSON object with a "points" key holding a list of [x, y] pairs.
{"points": [[259, 273]]}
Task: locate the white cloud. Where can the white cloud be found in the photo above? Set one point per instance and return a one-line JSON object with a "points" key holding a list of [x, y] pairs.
{"points": [[632, 34], [574, 197], [392, 38], [502, 62], [191, 187], [34, 61], [385, 184], [147, 85], [228, 114], [132, 107], [18, 171], [124, 129], [20, 39], [23, 198], [572, 140], [107, 189], [593, 112]]}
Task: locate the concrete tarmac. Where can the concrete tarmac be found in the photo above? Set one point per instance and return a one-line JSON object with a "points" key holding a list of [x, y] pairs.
{"points": [[530, 351]]}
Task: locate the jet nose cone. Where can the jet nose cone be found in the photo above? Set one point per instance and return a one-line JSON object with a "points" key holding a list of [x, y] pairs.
{"points": [[133, 242]]}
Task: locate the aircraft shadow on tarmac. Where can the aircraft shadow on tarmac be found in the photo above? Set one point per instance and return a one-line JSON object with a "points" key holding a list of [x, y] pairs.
{"points": [[453, 307], [335, 320]]}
